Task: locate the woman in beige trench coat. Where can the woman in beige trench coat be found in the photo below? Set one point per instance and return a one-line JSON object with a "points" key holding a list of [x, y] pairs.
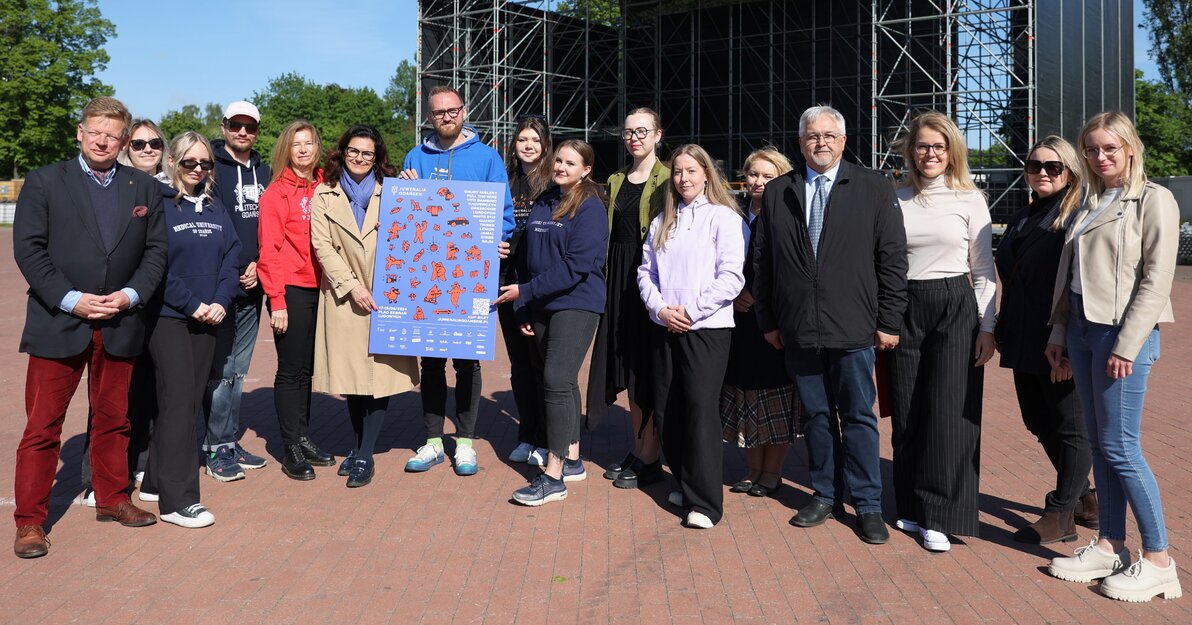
{"points": [[343, 232]]}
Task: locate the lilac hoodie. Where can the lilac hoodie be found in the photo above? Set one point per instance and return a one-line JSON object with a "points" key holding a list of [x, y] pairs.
{"points": [[701, 267]]}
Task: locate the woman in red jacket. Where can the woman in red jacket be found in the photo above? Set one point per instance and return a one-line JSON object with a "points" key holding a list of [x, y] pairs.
{"points": [[290, 278]]}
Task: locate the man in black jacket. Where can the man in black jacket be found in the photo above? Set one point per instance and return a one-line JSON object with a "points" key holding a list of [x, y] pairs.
{"points": [[90, 240], [830, 283]]}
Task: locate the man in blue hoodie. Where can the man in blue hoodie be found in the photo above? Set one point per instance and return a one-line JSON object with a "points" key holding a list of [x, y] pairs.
{"points": [[453, 152], [240, 180]]}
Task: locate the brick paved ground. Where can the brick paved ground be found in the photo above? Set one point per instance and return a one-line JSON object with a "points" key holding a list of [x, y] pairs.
{"points": [[436, 548]]}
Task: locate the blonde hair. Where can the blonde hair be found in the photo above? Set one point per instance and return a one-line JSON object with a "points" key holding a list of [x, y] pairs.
{"points": [[716, 190], [178, 149], [771, 155], [123, 159], [1075, 193], [281, 150], [1120, 125], [583, 189], [956, 174], [110, 108]]}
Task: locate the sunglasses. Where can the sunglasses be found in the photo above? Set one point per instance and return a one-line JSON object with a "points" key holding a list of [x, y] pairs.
{"points": [[235, 126], [1053, 168], [139, 144], [190, 163]]}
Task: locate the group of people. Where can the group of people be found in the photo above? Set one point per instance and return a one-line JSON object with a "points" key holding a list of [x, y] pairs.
{"points": [[755, 322]]}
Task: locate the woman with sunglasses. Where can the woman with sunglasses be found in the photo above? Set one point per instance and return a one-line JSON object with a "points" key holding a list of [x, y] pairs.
{"points": [[936, 372], [146, 149], [1027, 259], [200, 282], [290, 278], [559, 295], [1112, 289], [529, 163], [344, 235], [621, 352], [692, 269]]}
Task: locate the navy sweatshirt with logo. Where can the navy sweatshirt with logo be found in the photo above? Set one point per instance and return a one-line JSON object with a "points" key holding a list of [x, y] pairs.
{"points": [[562, 265], [240, 188], [201, 262]]}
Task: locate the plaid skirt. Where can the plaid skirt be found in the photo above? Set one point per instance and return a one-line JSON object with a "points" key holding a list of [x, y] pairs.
{"points": [[752, 418]]}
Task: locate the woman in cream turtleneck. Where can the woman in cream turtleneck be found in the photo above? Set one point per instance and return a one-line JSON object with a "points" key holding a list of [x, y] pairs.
{"points": [[936, 372]]}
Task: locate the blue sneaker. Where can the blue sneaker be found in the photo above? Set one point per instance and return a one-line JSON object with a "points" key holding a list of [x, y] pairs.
{"points": [[544, 489], [426, 457], [345, 467], [222, 465], [465, 460], [249, 461], [574, 472]]}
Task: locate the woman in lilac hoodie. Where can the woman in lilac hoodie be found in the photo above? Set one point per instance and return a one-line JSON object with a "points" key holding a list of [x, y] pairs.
{"points": [[692, 269]]}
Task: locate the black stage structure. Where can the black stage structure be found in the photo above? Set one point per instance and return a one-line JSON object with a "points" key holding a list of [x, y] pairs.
{"points": [[733, 75]]}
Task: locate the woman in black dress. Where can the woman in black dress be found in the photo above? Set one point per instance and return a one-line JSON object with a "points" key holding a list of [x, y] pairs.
{"points": [[621, 354], [758, 402]]}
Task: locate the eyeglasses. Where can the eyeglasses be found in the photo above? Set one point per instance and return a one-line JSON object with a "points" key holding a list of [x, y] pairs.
{"points": [[640, 133], [190, 163], [936, 148], [139, 144], [444, 113], [234, 126], [1109, 152], [1053, 168], [364, 156], [95, 135], [826, 138]]}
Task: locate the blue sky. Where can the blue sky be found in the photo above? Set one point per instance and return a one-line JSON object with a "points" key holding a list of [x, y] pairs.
{"points": [[168, 53]]}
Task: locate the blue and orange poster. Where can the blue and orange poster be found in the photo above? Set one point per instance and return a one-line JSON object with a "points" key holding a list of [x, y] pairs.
{"points": [[437, 269]]}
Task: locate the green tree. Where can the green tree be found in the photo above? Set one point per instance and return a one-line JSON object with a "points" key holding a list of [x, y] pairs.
{"points": [[1164, 121], [50, 53], [402, 99], [606, 12], [1170, 25], [205, 121]]}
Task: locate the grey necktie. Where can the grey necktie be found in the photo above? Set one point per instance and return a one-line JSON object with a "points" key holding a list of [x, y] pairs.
{"points": [[816, 224]]}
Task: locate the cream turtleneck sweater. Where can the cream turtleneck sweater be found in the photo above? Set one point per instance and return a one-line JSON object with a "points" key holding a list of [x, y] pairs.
{"points": [[949, 233]]}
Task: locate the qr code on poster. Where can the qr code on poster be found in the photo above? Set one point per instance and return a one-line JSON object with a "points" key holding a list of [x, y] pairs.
{"points": [[480, 306]]}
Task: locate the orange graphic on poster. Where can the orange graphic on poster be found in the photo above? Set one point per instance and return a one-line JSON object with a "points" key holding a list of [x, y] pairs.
{"points": [[466, 235], [458, 272], [413, 296], [486, 269], [434, 246], [479, 288], [391, 262], [473, 273], [405, 246], [392, 294], [418, 316], [443, 311], [395, 231], [419, 228], [472, 253], [418, 256], [436, 227], [414, 282], [434, 210], [452, 251], [416, 205], [395, 210], [447, 234], [390, 278], [439, 272], [445, 193], [455, 292], [432, 296]]}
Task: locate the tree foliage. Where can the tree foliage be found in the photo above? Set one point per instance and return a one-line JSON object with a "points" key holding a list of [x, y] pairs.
{"points": [[1164, 121], [50, 53], [606, 12], [1170, 25], [205, 121]]}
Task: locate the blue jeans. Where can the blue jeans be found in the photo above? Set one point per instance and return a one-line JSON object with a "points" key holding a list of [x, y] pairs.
{"points": [[1113, 415], [837, 392], [234, 342]]}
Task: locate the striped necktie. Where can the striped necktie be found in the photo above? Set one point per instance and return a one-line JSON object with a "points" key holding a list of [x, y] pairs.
{"points": [[816, 224]]}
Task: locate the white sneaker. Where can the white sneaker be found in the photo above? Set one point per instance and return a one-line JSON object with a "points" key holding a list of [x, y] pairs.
{"points": [[465, 460], [144, 496], [934, 541], [140, 476], [88, 498], [1142, 581], [192, 516], [906, 525], [698, 520], [521, 453], [675, 498], [537, 458], [1089, 563]]}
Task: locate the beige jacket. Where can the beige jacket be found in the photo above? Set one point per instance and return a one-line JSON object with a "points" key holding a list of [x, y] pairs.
{"points": [[1127, 262], [342, 363]]}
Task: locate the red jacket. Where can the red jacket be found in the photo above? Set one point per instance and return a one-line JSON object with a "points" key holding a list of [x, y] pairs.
{"points": [[284, 233]]}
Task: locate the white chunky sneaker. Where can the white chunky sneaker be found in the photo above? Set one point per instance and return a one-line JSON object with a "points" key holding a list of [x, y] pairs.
{"points": [[1142, 581], [1089, 563]]}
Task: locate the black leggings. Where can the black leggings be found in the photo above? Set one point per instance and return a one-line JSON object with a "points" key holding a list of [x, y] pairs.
{"points": [[524, 379], [295, 364], [367, 414]]}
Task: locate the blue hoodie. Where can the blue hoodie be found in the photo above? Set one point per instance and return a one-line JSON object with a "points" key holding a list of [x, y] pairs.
{"points": [[202, 252], [470, 160]]}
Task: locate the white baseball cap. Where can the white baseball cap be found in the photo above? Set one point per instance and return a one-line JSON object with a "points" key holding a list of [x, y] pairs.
{"points": [[241, 107]]}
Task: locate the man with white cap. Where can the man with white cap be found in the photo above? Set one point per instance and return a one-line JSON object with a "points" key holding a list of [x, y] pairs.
{"points": [[240, 180]]}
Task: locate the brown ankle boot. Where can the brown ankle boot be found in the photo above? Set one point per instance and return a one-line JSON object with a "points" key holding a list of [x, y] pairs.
{"points": [[1086, 510], [1052, 527]]}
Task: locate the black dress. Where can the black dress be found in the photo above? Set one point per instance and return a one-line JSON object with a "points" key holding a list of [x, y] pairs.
{"points": [[621, 352]]}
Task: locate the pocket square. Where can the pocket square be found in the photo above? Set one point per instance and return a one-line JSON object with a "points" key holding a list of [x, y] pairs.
{"points": [[140, 211]]}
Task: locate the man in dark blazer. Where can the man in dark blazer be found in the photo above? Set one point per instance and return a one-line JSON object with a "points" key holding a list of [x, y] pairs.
{"points": [[830, 284], [90, 240]]}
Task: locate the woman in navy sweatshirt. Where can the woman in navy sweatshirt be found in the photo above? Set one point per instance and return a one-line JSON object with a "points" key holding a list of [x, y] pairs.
{"points": [[201, 281], [559, 298]]}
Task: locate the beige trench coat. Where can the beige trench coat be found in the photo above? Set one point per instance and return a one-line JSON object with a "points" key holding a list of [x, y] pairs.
{"points": [[343, 365]]}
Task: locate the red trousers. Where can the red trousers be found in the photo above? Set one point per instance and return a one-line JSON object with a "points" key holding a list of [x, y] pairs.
{"points": [[49, 385]]}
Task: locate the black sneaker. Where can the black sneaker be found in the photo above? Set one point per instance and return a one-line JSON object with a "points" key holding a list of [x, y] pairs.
{"points": [[615, 470], [249, 461], [222, 465]]}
